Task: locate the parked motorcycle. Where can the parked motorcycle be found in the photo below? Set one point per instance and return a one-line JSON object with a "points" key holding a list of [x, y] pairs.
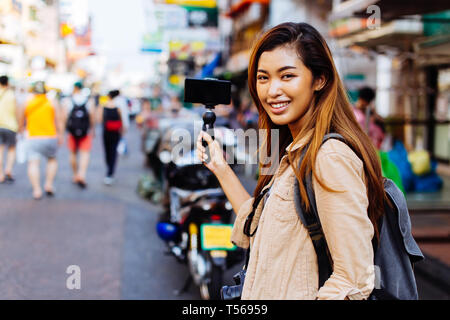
{"points": [[154, 129], [197, 223]]}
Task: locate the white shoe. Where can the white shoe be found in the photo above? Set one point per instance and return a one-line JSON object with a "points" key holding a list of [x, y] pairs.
{"points": [[108, 181]]}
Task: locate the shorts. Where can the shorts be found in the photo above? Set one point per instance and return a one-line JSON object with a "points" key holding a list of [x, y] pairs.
{"points": [[7, 137], [83, 143], [41, 147]]}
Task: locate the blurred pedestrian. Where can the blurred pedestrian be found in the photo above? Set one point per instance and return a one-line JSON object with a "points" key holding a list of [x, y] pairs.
{"points": [[368, 119], [174, 107], [156, 99], [79, 116], [122, 104], [8, 129], [144, 114], [299, 96], [44, 133], [111, 118]]}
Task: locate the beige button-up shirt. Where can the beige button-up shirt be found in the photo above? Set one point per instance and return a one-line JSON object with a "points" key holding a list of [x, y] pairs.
{"points": [[283, 263]]}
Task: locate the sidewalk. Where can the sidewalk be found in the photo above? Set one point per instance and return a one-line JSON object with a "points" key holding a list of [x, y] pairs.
{"points": [[430, 220]]}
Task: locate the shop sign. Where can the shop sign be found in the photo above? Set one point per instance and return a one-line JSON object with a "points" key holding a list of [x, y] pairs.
{"points": [[170, 17], [182, 50], [66, 29], [202, 17], [194, 3], [152, 42], [9, 28]]}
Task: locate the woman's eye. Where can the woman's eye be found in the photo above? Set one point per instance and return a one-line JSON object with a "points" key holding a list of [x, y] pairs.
{"points": [[287, 76], [261, 78]]}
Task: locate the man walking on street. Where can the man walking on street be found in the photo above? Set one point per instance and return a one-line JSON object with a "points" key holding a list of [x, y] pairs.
{"points": [[8, 129], [80, 124]]}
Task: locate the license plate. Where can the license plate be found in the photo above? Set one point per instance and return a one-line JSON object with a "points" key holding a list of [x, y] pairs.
{"points": [[216, 237]]}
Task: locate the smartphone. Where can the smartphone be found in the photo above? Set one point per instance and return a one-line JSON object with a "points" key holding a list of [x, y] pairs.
{"points": [[209, 92]]}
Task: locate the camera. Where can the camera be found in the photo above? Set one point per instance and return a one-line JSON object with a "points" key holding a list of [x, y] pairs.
{"points": [[234, 292], [209, 92]]}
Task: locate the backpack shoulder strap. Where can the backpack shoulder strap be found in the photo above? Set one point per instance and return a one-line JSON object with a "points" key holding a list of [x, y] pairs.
{"points": [[311, 219]]}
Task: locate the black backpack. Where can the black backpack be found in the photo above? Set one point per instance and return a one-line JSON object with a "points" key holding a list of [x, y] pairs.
{"points": [[394, 254], [78, 122]]}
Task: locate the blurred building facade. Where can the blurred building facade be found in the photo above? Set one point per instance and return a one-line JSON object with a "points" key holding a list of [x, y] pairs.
{"points": [[410, 44], [29, 38], [40, 41], [185, 34], [398, 48]]}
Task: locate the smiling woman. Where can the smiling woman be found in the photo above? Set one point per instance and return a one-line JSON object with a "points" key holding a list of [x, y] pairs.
{"points": [[297, 90], [286, 87]]}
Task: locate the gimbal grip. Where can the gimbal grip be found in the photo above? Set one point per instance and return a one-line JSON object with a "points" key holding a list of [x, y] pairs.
{"points": [[209, 117]]}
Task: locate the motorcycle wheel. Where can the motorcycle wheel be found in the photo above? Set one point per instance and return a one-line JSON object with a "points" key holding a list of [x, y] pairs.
{"points": [[211, 290]]}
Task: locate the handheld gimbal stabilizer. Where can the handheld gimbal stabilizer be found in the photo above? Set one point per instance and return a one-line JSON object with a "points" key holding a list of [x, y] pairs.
{"points": [[209, 92]]}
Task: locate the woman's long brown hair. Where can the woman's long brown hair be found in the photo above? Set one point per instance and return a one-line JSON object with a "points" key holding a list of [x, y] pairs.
{"points": [[332, 113]]}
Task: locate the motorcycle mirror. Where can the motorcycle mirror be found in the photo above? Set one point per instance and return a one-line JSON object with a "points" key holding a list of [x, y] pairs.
{"points": [[165, 156]]}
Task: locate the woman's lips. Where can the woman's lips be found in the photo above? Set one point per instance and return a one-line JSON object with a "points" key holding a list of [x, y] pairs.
{"points": [[278, 108]]}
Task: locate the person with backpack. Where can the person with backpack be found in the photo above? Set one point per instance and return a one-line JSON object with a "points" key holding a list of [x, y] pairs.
{"points": [[111, 118], [80, 125], [301, 101]]}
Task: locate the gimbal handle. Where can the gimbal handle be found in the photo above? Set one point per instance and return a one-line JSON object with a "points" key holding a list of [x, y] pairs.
{"points": [[209, 117]]}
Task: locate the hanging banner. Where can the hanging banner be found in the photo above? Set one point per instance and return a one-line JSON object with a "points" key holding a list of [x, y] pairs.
{"points": [[194, 3], [202, 16]]}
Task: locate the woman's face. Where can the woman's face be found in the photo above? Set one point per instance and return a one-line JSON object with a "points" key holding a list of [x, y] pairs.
{"points": [[285, 87]]}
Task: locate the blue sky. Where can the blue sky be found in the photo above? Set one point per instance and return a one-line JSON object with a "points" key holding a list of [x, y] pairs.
{"points": [[118, 27]]}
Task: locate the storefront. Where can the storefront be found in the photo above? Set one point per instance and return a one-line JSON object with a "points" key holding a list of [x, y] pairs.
{"points": [[414, 56]]}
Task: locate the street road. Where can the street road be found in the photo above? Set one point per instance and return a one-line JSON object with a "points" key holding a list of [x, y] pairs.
{"points": [[109, 232]]}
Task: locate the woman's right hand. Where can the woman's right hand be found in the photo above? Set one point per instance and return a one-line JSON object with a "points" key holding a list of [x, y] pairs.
{"points": [[217, 162]]}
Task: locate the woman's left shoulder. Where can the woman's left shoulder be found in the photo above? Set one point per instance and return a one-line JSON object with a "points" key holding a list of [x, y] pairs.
{"points": [[336, 150]]}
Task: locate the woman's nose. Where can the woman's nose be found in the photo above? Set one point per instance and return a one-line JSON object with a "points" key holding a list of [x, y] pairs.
{"points": [[274, 88]]}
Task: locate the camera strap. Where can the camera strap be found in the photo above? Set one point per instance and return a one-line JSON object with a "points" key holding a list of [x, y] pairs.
{"points": [[247, 257], [248, 221]]}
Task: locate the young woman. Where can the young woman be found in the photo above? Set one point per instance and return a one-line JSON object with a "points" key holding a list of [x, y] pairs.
{"points": [[297, 90], [111, 118]]}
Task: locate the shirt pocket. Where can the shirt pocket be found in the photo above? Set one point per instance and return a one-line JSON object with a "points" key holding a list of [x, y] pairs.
{"points": [[282, 203]]}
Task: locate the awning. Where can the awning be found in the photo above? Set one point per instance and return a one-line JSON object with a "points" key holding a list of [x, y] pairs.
{"points": [[389, 9], [398, 33], [243, 5], [433, 50]]}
